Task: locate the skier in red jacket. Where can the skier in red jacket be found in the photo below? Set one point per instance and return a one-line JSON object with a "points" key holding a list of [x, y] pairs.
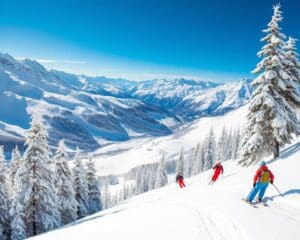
{"points": [[218, 169], [261, 181], [179, 180]]}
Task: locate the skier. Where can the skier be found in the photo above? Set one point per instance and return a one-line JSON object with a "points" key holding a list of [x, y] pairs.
{"points": [[261, 181], [218, 169], [179, 180]]}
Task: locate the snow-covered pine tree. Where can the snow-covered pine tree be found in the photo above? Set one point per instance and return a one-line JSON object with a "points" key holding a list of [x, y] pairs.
{"points": [[17, 214], [201, 158], [94, 194], [235, 143], [128, 190], [18, 228], [15, 162], [222, 144], [146, 178], [106, 195], [229, 145], [196, 163], [64, 186], [37, 191], [80, 186], [139, 181], [180, 163], [152, 175], [188, 162], [161, 176], [124, 190], [293, 67], [271, 119], [210, 150], [140, 178], [4, 198]]}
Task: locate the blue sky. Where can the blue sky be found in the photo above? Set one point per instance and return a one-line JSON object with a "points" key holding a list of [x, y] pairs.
{"points": [[213, 40]]}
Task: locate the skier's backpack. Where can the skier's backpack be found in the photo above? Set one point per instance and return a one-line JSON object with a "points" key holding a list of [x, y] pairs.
{"points": [[265, 176]]}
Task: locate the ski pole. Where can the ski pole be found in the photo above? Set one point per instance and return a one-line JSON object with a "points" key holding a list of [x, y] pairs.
{"points": [[277, 189], [209, 177]]}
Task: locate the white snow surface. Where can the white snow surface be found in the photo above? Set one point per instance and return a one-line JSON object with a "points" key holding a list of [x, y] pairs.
{"points": [[201, 211], [119, 158]]}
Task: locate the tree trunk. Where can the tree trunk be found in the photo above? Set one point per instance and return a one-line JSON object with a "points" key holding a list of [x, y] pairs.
{"points": [[276, 149]]}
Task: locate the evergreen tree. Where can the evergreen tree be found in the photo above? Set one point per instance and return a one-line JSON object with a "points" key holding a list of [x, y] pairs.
{"points": [[235, 144], [271, 119], [37, 191], [139, 181], [4, 198], [180, 163], [15, 162], [293, 67], [229, 145], [18, 228], [201, 158], [188, 162], [153, 168], [210, 150], [222, 145], [196, 163], [106, 195], [161, 177], [94, 194], [64, 186], [81, 187]]}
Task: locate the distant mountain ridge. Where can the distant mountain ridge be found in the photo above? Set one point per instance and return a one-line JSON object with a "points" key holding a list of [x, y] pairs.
{"points": [[191, 99], [89, 111]]}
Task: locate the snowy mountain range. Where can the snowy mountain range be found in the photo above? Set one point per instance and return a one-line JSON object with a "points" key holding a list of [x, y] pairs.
{"points": [[192, 99], [91, 111]]}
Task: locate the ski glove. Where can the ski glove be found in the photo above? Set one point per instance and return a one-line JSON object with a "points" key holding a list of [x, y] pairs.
{"points": [[271, 181], [254, 184]]}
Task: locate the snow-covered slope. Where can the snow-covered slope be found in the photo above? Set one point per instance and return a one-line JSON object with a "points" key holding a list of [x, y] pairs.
{"points": [[120, 157], [85, 111], [202, 212], [191, 99]]}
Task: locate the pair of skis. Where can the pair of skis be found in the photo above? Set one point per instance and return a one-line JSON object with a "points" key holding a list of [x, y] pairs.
{"points": [[256, 203]]}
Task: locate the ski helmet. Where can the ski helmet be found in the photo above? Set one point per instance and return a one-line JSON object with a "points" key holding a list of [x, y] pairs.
{"points": [[262, 163]]}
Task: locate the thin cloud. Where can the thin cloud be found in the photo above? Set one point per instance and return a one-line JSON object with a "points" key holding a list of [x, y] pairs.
{"points": [[59, 61], [55, 61]]}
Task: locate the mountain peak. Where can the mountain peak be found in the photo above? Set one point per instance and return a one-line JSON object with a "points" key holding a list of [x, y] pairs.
{"points": [[33, 64], [7, 59]]}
